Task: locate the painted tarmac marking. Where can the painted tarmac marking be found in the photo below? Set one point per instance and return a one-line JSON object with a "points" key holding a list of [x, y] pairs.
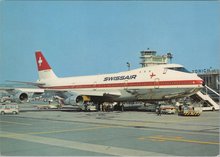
{"points": [[80, 145], [176, 139], [15, 123], [69, 130], [174, 131], [142, 126], [143, 122]]}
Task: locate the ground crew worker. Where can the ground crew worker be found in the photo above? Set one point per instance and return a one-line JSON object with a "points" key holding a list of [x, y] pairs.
{"points": [[159, 111], [101, 107]]}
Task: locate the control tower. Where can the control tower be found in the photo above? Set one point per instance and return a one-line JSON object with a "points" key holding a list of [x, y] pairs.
{"points": [[149, 58]]}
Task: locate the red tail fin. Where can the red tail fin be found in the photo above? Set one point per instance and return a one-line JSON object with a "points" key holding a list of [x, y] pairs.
{"points": [[41, 62], [44, 69]]}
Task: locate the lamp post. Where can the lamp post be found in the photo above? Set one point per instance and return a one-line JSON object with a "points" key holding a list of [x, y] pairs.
{"points": [[170, 56], [128, 65]]}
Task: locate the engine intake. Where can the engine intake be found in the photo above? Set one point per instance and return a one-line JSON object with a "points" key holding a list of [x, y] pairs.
{"points": [[20, 97], [74, 100]]}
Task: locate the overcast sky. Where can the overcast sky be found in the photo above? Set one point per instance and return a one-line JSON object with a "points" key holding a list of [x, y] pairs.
{"points": [[85, 38]]}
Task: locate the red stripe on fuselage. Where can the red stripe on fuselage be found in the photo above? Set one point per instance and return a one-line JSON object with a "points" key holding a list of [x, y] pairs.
{"points": [[129, 84]]}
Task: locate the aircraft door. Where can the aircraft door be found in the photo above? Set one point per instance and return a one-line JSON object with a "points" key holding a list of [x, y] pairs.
{"points": [[126, 84], [156, 83]]}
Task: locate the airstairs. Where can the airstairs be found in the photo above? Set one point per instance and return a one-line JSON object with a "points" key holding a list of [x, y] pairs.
{"points": [[206, 98]]}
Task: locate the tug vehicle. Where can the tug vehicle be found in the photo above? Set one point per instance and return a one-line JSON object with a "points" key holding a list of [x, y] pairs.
{"points": [[185, 110]]}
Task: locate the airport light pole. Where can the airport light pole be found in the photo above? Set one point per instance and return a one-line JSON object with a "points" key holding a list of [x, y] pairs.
{"points": [[170, 56], [128, 65]]}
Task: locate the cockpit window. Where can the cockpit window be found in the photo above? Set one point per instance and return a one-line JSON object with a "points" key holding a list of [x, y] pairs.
{"points": [[181, 69]]}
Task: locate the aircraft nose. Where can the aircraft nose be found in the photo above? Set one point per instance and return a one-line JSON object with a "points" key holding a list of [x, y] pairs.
{"points": [[203, 82], [199, 80]]}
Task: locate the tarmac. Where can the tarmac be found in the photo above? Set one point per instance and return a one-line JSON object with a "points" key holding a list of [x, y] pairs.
{"points": [[132, 133]]}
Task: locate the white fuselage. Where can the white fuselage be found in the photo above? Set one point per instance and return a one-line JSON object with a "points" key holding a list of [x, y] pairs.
{"points": [[148, 83]]}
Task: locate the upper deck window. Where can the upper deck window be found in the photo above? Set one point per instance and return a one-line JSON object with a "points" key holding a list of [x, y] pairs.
{"points": [[181, 69]]}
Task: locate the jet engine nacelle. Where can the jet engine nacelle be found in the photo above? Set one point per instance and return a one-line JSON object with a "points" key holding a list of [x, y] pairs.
{"points": [[20, 97], [74, 100]]}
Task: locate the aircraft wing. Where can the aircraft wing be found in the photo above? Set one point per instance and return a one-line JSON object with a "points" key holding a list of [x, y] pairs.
{"points": [[28, 83], [86, 92], [7, 89], [31, 90], [66, 94], [17, 94], [99, 93]]}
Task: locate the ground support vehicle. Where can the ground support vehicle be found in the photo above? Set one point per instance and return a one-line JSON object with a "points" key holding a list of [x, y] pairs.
{"points": [[166, 109], [88, 106], [11, 108], [189, 111], [50, 106]]}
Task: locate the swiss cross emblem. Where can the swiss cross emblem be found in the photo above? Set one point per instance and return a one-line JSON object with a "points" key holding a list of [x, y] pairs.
{"points": [[152, 75], [40, 61]]}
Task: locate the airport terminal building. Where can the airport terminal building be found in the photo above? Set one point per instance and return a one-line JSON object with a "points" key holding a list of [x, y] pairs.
{"points": [[211, 78]]}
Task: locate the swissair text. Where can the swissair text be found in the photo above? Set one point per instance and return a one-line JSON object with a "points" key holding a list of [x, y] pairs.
{"points": [[115, 78]]}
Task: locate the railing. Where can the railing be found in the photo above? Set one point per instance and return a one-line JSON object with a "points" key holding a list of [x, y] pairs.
{"points": [[207, 87]]}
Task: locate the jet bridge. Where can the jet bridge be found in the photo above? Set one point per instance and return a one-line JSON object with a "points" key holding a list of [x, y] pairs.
{"points": [[207, 100]]}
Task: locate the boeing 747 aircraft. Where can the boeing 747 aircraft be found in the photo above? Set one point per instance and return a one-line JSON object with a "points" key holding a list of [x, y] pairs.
{"points": [[153, 83]]}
